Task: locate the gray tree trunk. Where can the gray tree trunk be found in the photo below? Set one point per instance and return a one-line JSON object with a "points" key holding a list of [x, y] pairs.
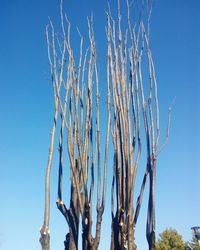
{"points": [[45, 241]]}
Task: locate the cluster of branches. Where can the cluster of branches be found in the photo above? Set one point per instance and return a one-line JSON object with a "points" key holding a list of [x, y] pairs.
{"points": [[76, 98], [77, 102], [129, 105]]}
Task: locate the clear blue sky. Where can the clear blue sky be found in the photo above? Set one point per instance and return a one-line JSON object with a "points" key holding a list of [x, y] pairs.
{"points": [[26, 103]]}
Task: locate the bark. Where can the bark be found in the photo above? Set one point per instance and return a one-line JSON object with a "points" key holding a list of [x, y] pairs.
{"points": [[45, 240], [121, 238], [151, 212], [131, 232], [88, 241], [115, 234], [86, 226], [71, 242]]}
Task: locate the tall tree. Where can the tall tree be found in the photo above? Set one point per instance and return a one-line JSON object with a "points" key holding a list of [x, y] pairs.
{"points": [[135, 113], [132, 118], [75, 91]]}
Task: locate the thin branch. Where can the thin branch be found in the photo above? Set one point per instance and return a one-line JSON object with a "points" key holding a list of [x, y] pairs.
{"points": [[168, 127]]}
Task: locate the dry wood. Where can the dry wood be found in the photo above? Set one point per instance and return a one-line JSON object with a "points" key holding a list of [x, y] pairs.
{"points": [[131, 113]]}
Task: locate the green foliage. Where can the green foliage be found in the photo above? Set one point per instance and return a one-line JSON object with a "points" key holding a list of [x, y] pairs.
{"points": [[170, 240]]}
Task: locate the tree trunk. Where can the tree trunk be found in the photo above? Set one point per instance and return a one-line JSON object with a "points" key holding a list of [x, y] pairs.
{"points": [[115, 234], [86, 228], [71, 242], [131, 235], [121, 238], [45, 241]]}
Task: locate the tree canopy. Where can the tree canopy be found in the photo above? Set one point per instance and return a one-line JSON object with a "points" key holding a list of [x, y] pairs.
{"points": [[170, 239]]}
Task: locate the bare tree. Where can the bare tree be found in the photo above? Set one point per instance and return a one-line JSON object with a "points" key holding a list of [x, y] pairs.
{"points": [[135, 112], [80, 131], [45, 234], [133, 119]]}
